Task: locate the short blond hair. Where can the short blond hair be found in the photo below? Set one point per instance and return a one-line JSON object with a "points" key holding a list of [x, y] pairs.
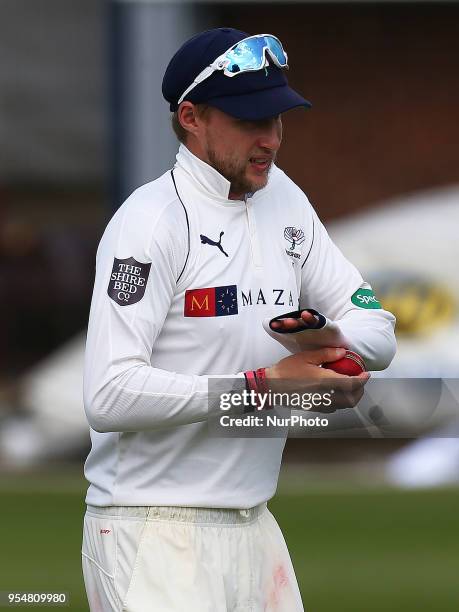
{"points": [[202, 110]]}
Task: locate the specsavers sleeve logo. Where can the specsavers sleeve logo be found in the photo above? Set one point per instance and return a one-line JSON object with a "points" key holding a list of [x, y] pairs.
{"points": [[365, 298]]}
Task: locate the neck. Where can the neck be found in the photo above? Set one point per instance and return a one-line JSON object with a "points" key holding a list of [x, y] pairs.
{"points": [[236, 196], [192, 144]]}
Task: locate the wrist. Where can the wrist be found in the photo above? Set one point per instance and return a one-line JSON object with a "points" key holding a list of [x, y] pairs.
{"points": [[256, 380], [271, 373]]}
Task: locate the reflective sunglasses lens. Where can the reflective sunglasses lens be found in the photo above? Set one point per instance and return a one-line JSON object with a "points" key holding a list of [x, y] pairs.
{"points": [[247, 55], [275, 46]]}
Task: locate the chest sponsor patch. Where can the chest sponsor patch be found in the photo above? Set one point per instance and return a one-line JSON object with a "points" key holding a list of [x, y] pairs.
{"points": [[211, 302], [365, 298], [128, 281]]}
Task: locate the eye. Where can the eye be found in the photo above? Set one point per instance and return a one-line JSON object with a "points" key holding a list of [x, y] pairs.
{"points": [[257, 124], [244, 124], [250, 125]]}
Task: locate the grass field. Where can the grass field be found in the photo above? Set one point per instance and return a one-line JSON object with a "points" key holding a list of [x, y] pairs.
{"points": [[355, 548]]}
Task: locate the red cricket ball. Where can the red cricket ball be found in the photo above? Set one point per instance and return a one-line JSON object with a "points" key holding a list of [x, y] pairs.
{"points": [[351, 364]]}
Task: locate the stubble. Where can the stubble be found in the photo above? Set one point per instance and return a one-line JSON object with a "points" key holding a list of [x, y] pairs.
{"points": [[234, 170]]}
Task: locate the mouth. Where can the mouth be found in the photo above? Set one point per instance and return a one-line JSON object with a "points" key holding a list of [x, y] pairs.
{"points": [[260, 164]]}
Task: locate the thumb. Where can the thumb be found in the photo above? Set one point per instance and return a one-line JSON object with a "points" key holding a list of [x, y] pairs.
{"points": [[326, 355]]}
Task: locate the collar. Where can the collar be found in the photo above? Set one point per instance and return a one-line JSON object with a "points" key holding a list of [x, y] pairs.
{"points": [[208, 178]]}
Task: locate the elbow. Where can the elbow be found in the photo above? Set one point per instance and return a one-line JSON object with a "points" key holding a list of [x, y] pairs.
{"points": [[100, 412], [387, 355], [386, 351], [391, 343], [99, 418], [99, 424], [372, 336]]}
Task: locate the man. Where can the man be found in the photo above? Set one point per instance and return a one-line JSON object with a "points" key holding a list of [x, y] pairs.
{"points": [[187, 271]]}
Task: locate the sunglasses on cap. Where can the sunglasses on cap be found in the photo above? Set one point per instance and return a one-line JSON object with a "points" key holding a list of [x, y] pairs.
{"points": [[247, 55]]}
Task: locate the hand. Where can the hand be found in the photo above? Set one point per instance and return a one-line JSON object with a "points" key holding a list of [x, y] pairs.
{"points": [[306, 321], [301, 373]]}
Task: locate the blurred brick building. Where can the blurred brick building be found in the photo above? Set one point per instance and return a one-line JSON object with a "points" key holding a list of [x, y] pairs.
{"points": [[381, 77]]}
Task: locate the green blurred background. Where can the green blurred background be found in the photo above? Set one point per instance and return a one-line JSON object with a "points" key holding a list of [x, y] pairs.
{"points": [[356, 545]]}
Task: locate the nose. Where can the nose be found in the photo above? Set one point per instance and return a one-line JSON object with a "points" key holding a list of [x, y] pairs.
{"points": [[271, 134]]}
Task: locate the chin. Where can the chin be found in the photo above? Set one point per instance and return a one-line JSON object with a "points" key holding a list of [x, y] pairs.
{"points": [[258, 183]]}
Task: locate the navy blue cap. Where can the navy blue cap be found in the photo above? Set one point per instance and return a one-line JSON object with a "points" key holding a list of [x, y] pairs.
{"points": [[251, 95]]}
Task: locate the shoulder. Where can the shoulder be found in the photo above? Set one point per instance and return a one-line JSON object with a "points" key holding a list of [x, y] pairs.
{"points": [[285, 199], [152, 210], [281, 185], [150, 226], [156, 202]]}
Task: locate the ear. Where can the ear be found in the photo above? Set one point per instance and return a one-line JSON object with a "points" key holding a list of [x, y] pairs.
{"points": [[188, 117]]}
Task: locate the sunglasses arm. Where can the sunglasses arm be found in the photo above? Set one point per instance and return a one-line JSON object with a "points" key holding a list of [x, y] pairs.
{"points": [[202, 76]]}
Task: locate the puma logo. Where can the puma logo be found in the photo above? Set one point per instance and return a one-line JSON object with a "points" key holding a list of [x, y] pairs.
{"points": [[218, 244]]}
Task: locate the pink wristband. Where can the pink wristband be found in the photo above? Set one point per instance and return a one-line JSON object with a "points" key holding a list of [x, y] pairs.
{"points": [[262, 384], [256, 381], [251, 381]]}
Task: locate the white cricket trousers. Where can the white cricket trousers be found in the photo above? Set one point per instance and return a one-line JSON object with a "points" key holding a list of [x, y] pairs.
{"points": [[171, 559]]}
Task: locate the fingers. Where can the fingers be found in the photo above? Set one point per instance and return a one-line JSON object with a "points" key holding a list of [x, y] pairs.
{"points": [[346, 383], [301, 373], [305, 366], [323, 355], [347, 399], [287, 324], [306, 321], [347, 390], [309, 319]]}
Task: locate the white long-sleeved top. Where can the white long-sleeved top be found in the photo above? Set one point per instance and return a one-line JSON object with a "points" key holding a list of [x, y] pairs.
{"points": [[185, 278]]}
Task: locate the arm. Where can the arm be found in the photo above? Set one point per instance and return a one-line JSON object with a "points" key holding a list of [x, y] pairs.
{"points": [[122, 391], [346, 312]]}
